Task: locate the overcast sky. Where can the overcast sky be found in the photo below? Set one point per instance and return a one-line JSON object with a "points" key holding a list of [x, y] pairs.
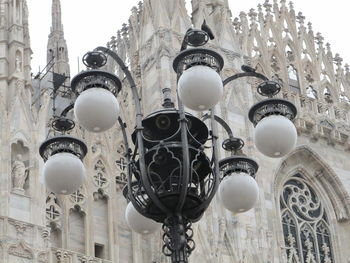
{"points": [[90, 23]]}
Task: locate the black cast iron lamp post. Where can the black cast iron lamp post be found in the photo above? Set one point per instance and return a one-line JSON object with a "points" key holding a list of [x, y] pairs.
{"points": [[171, 180]]}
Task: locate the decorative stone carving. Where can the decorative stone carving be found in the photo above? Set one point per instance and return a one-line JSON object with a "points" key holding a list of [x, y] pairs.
{"points": [[21, 250], [18, 61], [19, 173], [78, 197], [100, 179], [43, 257], [61, 255], [53, 211]]}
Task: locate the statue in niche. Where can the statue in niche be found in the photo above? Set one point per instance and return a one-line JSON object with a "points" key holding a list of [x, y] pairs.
{"points": [[19, 173], [18, 63]]}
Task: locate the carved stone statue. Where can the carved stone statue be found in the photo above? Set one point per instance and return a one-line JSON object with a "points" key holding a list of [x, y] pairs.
{"points": [[18, 63], [19, 173]]}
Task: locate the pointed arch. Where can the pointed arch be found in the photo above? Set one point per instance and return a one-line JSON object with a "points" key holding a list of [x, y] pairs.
{"points": [[290, 231], [293, 78], [305, 166], [308, 242], [306, 161], [77, 230], [101, 161], [324, 240], [290, 51]]}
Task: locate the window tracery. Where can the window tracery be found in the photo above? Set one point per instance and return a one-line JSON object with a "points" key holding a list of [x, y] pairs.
{"points": [[121, 177], [53, 210], [305, 224], [78, 196], [100, 179]]}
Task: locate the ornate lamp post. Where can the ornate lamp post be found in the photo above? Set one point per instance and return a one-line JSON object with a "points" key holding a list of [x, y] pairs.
{"points": [[171, 179]]}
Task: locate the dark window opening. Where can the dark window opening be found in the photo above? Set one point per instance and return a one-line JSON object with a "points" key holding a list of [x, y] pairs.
{"points": [[99, 251]]}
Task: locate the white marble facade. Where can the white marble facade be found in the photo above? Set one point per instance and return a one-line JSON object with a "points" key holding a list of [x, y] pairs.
{"points": [[89, 226]]}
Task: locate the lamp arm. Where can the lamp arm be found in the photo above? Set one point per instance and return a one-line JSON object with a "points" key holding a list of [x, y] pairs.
{"points": [[67, 109], [215, 158], [215, 134], [128, 76], [121, 124], [125, 138], [139, 128], [221, 122], [245, 74]]}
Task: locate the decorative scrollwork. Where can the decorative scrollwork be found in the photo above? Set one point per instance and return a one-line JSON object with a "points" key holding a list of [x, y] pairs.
{"points": [[95, 79], [269, 107], [237, 164], [301, 199], [195, 57], [60, 144], [178, 238], [165, 175]]}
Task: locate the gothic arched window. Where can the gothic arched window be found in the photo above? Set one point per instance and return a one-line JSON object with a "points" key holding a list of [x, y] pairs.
{"points": [[305, 223], [293, 79]]}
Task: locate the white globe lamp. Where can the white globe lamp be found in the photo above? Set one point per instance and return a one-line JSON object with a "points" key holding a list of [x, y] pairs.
{"points": [[139, 223], [96, 109], [200, 88], [238, 192], [63, 173], [275, 136]]}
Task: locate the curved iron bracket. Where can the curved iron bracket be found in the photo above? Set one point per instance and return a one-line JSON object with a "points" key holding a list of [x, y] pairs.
{"points": [[245, 74], [125, 138], [121, 124], [67, 109], [221, 122]]}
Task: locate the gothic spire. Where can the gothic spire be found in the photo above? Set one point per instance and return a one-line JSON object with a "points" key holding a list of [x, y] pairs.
{"points": [[57, 52], [56, 16]]}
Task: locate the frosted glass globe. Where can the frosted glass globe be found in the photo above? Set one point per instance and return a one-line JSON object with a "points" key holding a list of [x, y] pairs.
{"points": [[96, 109], [238, 192], [63, 173], [200, 88], [275, 136], [138, 222]]}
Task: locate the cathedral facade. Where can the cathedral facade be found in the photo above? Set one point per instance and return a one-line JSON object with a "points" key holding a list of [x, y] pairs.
{"points": [[303, 211]]}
